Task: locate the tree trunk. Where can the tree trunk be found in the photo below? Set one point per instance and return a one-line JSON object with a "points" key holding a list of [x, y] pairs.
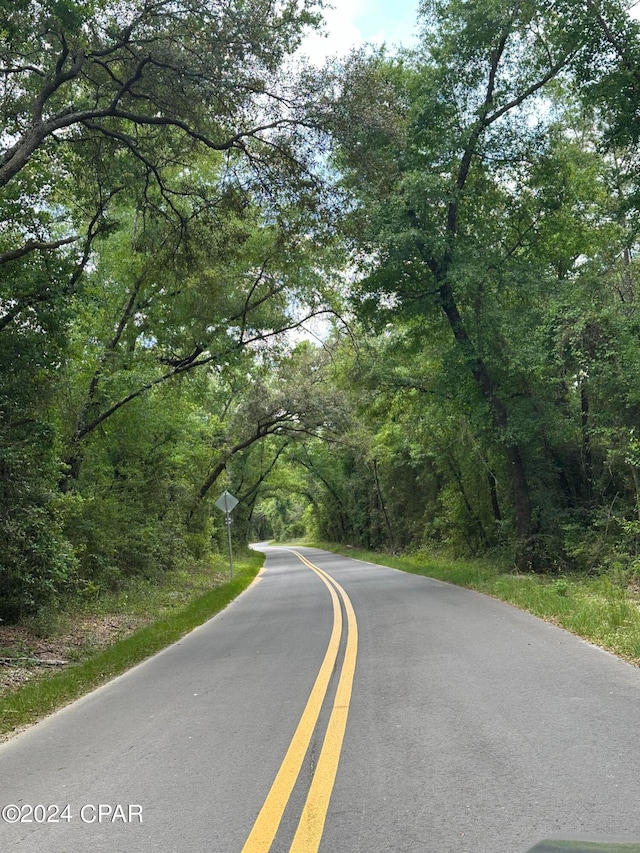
{"points": [[493, 492], [499, 416], [383, 506], [474, 517], [587, 459]]}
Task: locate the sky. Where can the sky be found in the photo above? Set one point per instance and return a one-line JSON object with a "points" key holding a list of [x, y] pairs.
{"points": [[351, 23]]}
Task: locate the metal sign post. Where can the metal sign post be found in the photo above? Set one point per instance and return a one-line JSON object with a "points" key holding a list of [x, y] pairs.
{"points": [[227, 503]]}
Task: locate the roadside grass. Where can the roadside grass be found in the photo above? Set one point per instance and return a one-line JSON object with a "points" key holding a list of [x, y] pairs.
{"points": [[172, 607], [600, 609]]}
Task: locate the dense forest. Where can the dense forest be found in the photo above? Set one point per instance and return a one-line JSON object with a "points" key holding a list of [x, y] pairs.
{"points": [[387, 302]]}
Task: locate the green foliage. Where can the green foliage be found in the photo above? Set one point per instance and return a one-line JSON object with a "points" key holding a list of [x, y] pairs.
{"points": [[151, 255], [167, 230], [494, 241], [36, 562]]}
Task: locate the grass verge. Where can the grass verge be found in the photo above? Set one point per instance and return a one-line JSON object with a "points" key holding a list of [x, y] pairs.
{"points": [[603, 610], [50, 692]]}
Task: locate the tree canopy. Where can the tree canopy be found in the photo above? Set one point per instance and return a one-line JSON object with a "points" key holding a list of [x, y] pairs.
{"points": [[181, 196]]}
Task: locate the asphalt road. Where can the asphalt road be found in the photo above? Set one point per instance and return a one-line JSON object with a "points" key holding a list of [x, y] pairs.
{"points": [[377, 711]]}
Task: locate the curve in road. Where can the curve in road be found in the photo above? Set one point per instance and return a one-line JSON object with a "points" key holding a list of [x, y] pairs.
{"points": [[311, 824], [472, 727]]}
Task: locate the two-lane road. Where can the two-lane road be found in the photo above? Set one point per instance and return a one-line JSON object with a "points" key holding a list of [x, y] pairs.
{"points": [[343, 707]]}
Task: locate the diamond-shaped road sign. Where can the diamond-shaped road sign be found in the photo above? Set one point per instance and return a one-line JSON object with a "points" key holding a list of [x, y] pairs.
{"points": [[226, 502]]}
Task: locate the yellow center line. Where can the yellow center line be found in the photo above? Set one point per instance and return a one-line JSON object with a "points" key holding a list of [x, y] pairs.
{"points": [[268, 820], [311, 825]]}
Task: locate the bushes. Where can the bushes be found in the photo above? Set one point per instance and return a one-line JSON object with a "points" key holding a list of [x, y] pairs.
{"points": [[37, 561]]}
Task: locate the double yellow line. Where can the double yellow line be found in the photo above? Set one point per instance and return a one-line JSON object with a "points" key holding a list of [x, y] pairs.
{"points": [[312, 819]]}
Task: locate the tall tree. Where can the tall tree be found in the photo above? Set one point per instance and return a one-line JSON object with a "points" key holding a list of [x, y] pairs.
{"points": [[451, 204], [135, 90], [139, 141]]}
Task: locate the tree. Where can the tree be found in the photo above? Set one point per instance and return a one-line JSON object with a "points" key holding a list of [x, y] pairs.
{"points": [[148, 152], [107, 96], [453, 209], [128, 72], [286, 396], [173, 305]]}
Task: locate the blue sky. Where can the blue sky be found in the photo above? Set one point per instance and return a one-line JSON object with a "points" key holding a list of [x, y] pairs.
{"points": [[350, 23], [392, 21], [353, 22]]}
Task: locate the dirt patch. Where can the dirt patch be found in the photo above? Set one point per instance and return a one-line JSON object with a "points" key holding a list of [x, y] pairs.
{"points": [[634, 587], [21, 647]]}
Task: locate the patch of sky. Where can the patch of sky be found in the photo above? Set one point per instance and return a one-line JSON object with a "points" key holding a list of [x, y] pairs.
{"points": [[349, 24]]}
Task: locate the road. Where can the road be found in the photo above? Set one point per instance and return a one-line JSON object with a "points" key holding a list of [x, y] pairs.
{"points": [[341, 707]]}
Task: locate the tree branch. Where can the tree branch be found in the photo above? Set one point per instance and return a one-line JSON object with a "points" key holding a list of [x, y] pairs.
{"points": [[37, 245]]}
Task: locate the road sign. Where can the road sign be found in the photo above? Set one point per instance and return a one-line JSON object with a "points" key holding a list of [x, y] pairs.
{"points": [[227, 502]]}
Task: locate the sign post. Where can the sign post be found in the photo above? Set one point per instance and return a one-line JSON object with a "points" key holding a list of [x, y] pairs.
{"points": [[227, 503]]}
